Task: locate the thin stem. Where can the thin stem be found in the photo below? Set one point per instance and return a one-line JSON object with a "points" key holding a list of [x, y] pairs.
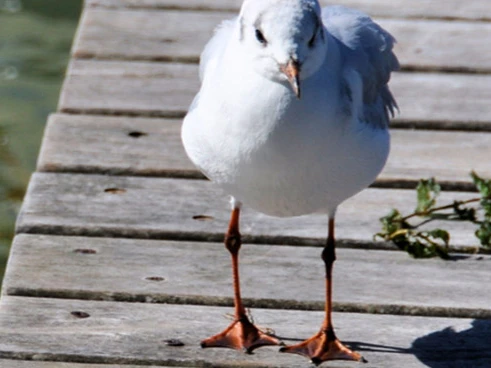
{"points": [[427, 238], [441, 208]]}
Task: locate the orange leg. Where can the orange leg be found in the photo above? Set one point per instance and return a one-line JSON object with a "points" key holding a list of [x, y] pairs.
{"points": [[325, 345], [241, 334]]}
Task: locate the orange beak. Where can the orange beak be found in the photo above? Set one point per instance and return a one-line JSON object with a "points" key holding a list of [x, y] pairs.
{"points": [[292, 72]]}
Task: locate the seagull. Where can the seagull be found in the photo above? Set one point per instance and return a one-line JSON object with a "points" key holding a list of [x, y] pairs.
{"points": [[291, 119]]}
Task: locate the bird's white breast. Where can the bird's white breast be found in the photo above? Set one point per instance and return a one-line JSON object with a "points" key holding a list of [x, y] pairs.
{"points": [[280, 155]]}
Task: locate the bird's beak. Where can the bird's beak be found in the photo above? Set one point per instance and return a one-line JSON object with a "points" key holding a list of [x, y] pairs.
{"points": [[292, 72]]}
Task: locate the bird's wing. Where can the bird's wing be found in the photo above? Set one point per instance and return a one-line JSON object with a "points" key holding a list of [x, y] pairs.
{"points": [[215, 48], [365, 48]]}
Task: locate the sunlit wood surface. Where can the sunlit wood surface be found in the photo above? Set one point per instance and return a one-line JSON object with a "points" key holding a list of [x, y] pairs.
{"points": [[118, 247]]}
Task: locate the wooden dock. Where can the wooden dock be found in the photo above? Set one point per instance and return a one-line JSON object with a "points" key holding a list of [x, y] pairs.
{"points": [[118, 260]]}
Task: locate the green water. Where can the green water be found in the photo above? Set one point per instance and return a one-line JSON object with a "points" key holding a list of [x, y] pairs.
{"points": [[35, 41]]}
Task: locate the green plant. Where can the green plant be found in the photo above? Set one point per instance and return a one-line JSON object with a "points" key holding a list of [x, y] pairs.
{"points": [[435, 242]]}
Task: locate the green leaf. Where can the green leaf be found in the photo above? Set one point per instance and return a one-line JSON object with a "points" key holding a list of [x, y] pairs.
{"points": [[484, 234], [482, 185], [427, 193], [441, 252], [464, 213], [391, 223], [432, 239], [486, 205], [419, 249], [435, 242], [439, 234], [484, 188]]}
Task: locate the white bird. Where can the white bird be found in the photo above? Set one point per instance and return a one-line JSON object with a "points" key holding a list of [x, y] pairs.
{"points": [[291, 119]]}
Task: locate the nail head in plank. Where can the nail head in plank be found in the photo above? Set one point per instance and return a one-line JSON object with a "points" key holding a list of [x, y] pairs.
{"points": [[154, 89], [152, 147], [92, 205], [166, 271], [126, 333], [453, 9], [180, 36], [114, 145]]}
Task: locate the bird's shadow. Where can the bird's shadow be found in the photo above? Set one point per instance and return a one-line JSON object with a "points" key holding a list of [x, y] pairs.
{"points": [[446, 348]]}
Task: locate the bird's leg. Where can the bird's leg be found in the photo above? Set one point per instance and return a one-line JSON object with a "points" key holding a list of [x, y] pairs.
{"points": [[241, 334], [325, 345]]}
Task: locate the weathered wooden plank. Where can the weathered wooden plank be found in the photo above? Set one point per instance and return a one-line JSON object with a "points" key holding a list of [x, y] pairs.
{"points": [[187, 272], [143, 88], [129, 88], [114, 145], [8, 363], [152, 147], [453, 9], [145, 35], [173, 208], [448, 156], [180, 36], [126, 333]]}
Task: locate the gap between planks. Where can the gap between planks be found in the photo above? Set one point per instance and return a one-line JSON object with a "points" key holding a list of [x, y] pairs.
{"points": [[477, 10], [147, 89], [424, 45], [162, 208], [152, 147], [198, 273], [125, 333]]}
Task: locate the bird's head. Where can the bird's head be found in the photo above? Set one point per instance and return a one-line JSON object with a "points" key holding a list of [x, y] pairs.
{"points": [[283, 40]]}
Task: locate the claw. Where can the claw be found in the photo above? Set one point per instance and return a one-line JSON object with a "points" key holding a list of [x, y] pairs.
{"points": [[322, 347], [241, 335]]}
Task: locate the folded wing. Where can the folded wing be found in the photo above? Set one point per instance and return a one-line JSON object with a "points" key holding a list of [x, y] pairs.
{"points": [[367, 49]]}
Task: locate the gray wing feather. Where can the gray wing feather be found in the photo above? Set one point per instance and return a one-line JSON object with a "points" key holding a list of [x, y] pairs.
{"points": [[367, 48]]}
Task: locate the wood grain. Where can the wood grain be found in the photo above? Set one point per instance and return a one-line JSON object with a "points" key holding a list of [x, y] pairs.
{"points": [[114, 145], [152, 147], [174, 35], [167, 89], [453, 9], [196, 273], [8, 363], [126, 333], [96, 205], [118, 250], [133, 88]]}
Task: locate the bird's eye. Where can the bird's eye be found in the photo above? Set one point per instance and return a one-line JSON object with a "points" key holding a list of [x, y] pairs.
{"points": [[260, 37], [312, 41]]}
